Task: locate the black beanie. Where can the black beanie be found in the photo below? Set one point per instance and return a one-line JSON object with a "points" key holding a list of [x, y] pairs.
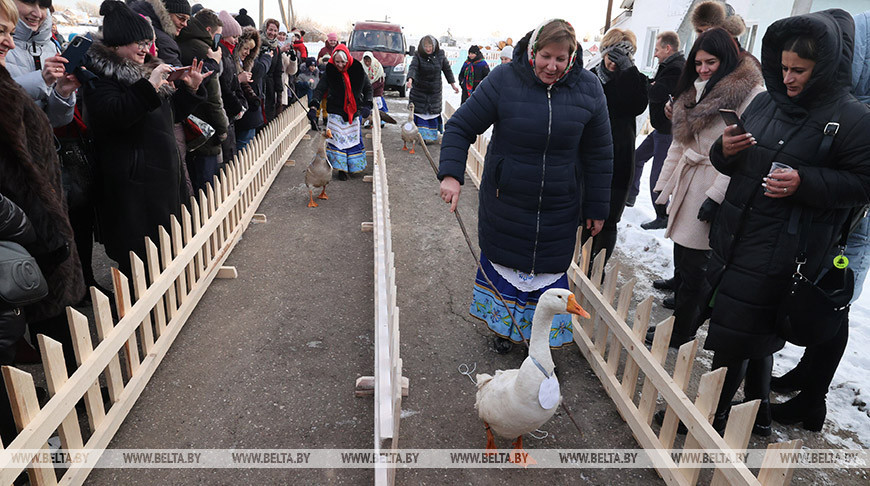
{"points": [[122, 26], [177, 6], [476, 50]]}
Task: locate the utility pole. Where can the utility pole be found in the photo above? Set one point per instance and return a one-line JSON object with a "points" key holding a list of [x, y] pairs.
{"points": [[607, 20]]}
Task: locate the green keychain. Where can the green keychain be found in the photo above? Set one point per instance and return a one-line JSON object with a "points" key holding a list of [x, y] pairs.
{"points": [[841, 262]]}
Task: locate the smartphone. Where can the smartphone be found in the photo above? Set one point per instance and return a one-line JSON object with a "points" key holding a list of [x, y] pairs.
{"points": [[75, 53], [177, 73], [217, 42], [671, 99], [731, 118]]}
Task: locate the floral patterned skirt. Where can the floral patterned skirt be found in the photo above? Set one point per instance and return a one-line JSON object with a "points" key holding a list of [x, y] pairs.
{"points": [[486, 306]]}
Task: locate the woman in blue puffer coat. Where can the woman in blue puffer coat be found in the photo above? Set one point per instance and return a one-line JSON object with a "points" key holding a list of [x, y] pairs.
{"points": [[547, 170]]}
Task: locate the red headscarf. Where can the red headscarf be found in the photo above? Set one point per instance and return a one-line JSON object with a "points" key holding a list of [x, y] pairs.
{"points": [[349, 99]]}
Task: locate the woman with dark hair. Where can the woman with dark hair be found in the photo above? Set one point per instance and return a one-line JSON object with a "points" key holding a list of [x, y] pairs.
{"points": [[716, 76], [547, 172], [771, 219]]}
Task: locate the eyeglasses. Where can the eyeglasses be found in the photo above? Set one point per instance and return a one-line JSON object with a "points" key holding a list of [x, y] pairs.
{"points": [[145, 45]]}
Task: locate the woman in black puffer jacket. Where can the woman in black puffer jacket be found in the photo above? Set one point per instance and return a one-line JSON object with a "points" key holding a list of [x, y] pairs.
{"points": [[424, 81], [547, 171], [756, 237], [626, 91]]}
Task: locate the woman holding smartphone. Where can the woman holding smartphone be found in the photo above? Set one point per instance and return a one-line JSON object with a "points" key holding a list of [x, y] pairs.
{"points": [[716, 76], [767, 220]]}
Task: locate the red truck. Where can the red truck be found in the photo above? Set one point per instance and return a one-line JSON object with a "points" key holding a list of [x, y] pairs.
{"points": [[387, 42]]}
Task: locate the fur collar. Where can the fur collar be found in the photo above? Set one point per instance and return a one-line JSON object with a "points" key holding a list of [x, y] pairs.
{"points": [[729, 92], [163, 16], [105, 62]]}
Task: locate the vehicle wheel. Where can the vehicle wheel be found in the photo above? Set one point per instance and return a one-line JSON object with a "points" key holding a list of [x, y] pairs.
{"points": [[402, 91]]}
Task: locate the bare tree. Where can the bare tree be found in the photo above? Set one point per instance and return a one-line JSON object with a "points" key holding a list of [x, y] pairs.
{"points": [[88, 8]]}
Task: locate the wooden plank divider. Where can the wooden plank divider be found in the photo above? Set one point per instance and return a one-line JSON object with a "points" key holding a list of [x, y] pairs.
{"points": [[139, 288], [104, 325], [81, 339], [25, 409], [122, 303], [682, 373], [55, 377]]}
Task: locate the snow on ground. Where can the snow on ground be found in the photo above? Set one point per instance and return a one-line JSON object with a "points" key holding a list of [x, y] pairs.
{"points": [[850, 391]]}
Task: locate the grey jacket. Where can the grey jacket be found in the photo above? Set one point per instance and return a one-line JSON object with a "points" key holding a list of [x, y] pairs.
{"points": [[21, 66]]}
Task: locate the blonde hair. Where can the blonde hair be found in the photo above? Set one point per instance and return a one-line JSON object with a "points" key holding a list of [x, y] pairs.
{"points": [[615, 35], [557, 31], [10, 11]]}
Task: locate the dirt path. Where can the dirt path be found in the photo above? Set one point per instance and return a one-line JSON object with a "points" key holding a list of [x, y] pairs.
{"points": [[269, 360]]}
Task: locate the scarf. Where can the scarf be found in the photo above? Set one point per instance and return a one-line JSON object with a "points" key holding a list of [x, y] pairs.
{"points": [[349, 100], [603, 74], [533, 47], [469, 75], [229, 46], [375, 70]]}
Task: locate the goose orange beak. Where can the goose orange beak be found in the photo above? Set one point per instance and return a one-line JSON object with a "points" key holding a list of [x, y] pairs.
{"points": [[574, 307]]}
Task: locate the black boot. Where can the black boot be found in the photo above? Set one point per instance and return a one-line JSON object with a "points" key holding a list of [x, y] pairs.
{"points": [[806, 408], [670, 284], [786, 383], [761, 427], [502, 345]]}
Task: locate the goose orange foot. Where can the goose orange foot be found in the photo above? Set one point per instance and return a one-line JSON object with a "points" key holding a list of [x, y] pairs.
{"points": [[519, 455], [490, 440], [311, 203], [404, 146], [411, 151], [322, 194]]}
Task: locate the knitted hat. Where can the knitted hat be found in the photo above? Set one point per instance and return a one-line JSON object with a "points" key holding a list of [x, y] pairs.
{"points": [[475, 50], [332, 36], [122, 26], [231, 26], [507, 52], [734, 25], [177, 6]]}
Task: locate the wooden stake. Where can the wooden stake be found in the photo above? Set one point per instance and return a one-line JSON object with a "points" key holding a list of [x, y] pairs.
{"points": [[25, 407], [55, 376], [103, 320], [227, 272], [81, 336]]}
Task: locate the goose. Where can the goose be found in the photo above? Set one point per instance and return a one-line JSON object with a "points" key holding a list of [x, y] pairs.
{"points": [[410, 134], [319, 171], [513, 402]]}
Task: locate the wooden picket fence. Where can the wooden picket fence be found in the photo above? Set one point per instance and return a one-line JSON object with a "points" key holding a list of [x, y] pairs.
{"points": [[167, 287], [602, 340], [388, 384]]}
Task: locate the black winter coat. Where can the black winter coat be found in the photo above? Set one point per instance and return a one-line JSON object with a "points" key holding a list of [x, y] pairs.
{"points": [[231, 90], [255, 117], [664, 83], [755, 239], [425, 71], [332, 85], [626, 94], [548, 165], [195, 42], [139, 173], [30, 177], [164, 29], [273, 84]]}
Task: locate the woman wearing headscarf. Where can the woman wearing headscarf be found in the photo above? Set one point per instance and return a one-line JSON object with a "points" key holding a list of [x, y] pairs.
{"points": [[130, 108], [769, 219], [378, 78], [348, 99], [472, 72], [547, 172], [424, 81], [626, 91]]}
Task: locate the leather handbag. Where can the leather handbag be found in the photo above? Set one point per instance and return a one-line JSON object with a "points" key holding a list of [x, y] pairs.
{"points": [[22, 282], [812, 313]]}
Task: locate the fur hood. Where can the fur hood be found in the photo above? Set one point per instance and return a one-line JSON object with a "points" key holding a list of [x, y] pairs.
{"points": [[728, 93], [104, 62], [248, 33], [159, 15]]}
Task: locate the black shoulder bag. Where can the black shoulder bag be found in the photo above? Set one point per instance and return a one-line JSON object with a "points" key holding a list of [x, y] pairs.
{"points": [[812, 313], [22, 283]]}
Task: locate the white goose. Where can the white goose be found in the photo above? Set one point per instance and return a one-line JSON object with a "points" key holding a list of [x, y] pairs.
{"points": [[509, 403], [409, 131]]}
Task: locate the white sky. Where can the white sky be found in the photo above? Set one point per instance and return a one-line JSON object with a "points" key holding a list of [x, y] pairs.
{"points": [[507, 18]]}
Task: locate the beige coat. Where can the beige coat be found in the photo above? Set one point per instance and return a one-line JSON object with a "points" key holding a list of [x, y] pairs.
{"points": [[688, 178]]}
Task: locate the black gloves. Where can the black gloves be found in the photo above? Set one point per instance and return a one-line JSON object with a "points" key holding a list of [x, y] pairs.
{"points": [[708, 211], [365, 112], [622, 61]]}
